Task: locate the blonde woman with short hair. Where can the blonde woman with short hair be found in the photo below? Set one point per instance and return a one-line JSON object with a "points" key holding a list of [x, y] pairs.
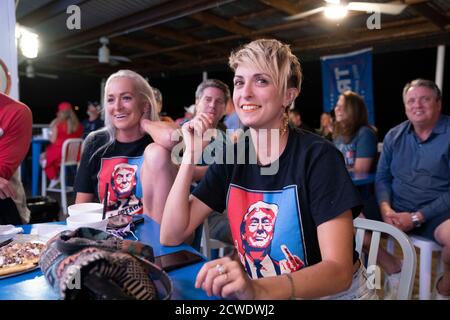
{"points": [[290, 209]]}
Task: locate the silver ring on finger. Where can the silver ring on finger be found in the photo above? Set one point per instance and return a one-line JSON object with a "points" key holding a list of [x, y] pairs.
{"points": [[221, 269]]}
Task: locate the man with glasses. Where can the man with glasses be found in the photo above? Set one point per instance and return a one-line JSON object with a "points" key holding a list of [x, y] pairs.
{"points": [[413, 175]]}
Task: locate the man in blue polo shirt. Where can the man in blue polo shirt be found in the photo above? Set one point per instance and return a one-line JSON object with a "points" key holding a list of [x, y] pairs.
{"points": [[413, 175]]}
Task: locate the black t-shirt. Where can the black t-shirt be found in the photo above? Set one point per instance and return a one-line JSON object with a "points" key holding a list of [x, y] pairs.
{"points": [[90, 126], [274, 218], [117, 164]]}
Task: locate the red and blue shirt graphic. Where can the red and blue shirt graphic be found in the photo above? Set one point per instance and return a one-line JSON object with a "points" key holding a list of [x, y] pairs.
{"points": [[122, 176], [267, 230]]}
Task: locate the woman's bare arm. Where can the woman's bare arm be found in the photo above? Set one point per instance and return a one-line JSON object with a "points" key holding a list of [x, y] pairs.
{"points": [[84, 197]]}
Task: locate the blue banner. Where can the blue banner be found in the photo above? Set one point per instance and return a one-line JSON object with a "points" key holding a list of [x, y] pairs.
{"points": [[350, 71]]}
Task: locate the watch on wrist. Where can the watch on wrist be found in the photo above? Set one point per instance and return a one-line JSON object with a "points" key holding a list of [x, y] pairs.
{"points": [[415, 220]]}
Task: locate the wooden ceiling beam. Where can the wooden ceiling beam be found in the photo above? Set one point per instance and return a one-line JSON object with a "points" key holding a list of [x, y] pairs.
{"points": [[197, 28], [434, 16], [369, 37], [258, 33], [315, 20], [48, 11], [301, 6], [228, 25], [320, 48], [282, 5], [324, 43], [138, 44], [251, 34], [254, 15], [178, 36], [167, 11], [390, 32], [187, 45], [362, 37], [292, 9], [207, 19], [124, 41], [410, 2], [289, 7], [170, 33]]}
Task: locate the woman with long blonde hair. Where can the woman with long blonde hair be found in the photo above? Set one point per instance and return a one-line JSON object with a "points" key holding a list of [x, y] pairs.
{"points": [[65, 126], [111, 164], [65, 114]]}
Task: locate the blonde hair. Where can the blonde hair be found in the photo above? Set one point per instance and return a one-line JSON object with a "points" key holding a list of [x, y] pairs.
{"points": [[142, 87], [272, 57], [158, 99], [70, 118]]}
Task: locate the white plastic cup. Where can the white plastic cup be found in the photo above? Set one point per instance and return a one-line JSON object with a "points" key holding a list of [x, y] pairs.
{"points": [[46, 133], [84, 208], [91, 220]]}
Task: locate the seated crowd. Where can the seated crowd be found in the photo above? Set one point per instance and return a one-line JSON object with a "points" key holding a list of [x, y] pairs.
{"points": [[280, 194]]}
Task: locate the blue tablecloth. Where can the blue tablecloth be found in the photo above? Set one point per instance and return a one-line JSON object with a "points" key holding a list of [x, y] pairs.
{"points": [[33, 285]]}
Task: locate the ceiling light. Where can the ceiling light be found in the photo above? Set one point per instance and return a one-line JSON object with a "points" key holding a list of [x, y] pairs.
{"points": [[28, 42], [335, 12]]}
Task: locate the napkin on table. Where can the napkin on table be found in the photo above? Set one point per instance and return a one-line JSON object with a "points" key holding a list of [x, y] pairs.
{"points": [[9, 229]]}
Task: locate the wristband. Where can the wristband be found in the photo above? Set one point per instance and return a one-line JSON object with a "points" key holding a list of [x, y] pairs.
{"points": [[291, 280]]}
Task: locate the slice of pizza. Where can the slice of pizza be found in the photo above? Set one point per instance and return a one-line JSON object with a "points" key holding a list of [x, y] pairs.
{"points": [[19, 256]]}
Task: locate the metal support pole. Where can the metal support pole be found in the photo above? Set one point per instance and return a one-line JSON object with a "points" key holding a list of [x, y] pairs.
{"points": [[440, 61]]}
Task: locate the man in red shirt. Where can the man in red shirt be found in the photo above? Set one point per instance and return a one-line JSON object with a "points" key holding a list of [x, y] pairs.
{"points": [[15, 137]]}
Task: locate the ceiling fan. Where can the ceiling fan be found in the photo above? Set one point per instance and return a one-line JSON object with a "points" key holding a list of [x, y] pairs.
{"points": [[103, 56], [339, 8], [31, 73]]}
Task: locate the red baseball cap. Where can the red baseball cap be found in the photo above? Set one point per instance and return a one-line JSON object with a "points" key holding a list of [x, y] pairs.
{"points": [[63, 106]]}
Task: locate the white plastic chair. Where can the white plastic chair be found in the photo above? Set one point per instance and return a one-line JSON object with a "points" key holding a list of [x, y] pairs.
{"points": [[380, 147], [426, 247], [71, 151], [409, 253], [207, 244]]}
